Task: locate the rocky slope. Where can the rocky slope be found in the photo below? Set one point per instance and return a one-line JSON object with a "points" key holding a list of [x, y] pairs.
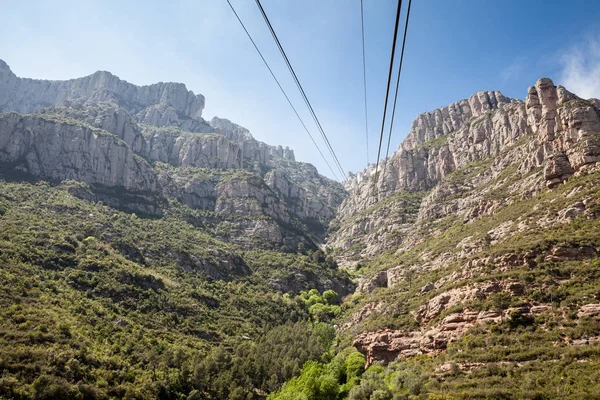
{"points": [[553, 129], [476, 250], [148, 253], [485, 220], [139, 146], [99, 303]]}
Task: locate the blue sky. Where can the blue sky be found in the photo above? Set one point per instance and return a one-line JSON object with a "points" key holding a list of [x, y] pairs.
{"points": [[454, 48]]}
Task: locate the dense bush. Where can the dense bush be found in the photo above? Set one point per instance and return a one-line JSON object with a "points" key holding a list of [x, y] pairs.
{"points": [[99, 303], [321, 307], [319, 381]]}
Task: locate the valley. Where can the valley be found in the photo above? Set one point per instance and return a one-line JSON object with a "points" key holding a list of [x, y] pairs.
{"points": [[149, 253]]}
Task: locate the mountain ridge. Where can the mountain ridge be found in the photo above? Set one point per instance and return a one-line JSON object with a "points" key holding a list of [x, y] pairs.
{"points": [[163, 255], [430, 152], [157, 123], [477, 254]]}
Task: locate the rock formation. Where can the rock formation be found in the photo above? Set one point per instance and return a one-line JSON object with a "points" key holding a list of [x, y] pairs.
{"points": [[112, 135], [470, 181], [553, 129], [161, 104], [55, 150]]}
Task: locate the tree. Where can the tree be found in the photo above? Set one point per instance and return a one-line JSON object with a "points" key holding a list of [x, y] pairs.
{"points": [[318, 257], [330, 297], [51, 387], [355, 364]]}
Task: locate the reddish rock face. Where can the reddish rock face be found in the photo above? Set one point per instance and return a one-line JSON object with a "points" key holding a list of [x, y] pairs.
{"points": [[571, 253], [557, 170], [389, 345]]}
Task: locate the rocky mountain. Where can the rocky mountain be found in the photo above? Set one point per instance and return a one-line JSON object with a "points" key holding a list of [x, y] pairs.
{"points": [[477, 245], [151, 144], [161, 104], [553, 129], [146, 252]]}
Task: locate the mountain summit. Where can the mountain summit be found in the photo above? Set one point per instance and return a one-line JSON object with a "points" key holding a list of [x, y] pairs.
{"points": [[152, 142]]}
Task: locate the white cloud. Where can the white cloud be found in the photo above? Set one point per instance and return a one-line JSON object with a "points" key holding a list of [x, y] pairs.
{"points": [[581, 69]]}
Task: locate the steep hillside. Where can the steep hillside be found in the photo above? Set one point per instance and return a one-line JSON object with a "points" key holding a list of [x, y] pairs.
{"points": [[553, 129], [478, 248], [100, 303], [148, 253], [152, 143]]}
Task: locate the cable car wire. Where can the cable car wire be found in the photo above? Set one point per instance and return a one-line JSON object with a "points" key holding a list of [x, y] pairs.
{"points": [[287, 61], [281, 88], [397, 85], [387, 93]]}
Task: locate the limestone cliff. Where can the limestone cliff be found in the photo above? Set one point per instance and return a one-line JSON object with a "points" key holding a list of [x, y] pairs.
{"points": [[123, 139], [161, 104], [553, 129], [463, 230], [63, 150]]}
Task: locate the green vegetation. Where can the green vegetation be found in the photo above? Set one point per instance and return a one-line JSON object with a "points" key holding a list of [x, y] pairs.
{"points": [[323, 381], [321, 307], [469, 171], [99, 303], [66, 119], [523, 360], [435, 143], [400, 203], [148, 130], [485, 116], [552, 354]]}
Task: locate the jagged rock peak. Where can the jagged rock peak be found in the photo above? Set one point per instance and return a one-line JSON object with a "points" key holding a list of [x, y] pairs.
{"points": [[563, 133], [158, 104], [435, 124], [442, 121], [238, 133], [224, 124], [521, 146]]}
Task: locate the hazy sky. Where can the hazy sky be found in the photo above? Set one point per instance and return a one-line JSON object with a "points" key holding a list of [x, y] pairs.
{"points": [[454, 48]]}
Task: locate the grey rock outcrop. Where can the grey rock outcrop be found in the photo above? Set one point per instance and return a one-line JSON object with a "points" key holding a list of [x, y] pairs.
{"points": [[249, 197], [256, 155], [106, 116], [439, 142], [301, 202], [57, 150], [165, 144], [161, 104], [443, 121], [182, 149], [552, 129], [152, 139]]}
